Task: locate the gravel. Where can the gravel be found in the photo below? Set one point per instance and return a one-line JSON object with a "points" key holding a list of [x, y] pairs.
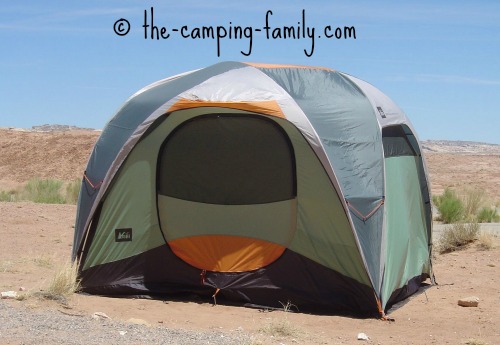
{"points": [[19, 325]]}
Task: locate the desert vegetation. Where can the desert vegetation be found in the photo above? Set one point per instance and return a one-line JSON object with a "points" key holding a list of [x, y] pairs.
{"points": [[467, 205], [282, 326], [463, 211], [458, 235], [44, 191]]}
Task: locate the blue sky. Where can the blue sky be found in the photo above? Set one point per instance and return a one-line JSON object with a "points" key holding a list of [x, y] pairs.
{"points": [[62, 62]]}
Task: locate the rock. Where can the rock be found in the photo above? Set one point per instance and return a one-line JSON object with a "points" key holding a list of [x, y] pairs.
{"points": [[471, 301], [363, 336], [122, 332], [22, 288], [9, 295], [99, 315]]}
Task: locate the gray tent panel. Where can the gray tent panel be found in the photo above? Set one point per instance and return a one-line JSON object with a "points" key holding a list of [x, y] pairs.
{"points": [[344, 120]]}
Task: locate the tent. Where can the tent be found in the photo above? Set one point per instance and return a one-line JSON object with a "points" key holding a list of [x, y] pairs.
{"points": [[261, 185]]}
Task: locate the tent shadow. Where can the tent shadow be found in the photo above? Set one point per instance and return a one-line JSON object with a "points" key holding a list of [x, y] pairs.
{"points": [[424, 286]]}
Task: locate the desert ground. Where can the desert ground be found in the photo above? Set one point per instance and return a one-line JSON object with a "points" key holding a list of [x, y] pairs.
{"points": [[36, 238]]}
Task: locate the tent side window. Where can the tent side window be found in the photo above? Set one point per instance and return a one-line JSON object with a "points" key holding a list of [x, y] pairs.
{"points": [[398, 142]]}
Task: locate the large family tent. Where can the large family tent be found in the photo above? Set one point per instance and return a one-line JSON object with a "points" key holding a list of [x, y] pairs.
{"points": [[261, 185]]}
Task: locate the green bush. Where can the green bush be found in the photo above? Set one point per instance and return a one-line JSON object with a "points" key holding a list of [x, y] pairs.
{"points": [[458, 235], [72, 191], [450, 206], [488, 215], [8, 196], [44, 191]]}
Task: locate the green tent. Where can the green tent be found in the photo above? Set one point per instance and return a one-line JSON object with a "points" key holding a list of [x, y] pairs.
{"points": [[260, 184]]}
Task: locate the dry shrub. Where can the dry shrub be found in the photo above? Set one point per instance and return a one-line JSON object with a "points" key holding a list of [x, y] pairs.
{"points": [[473, 199], [7, 267], [458, 235], [24, 296], [485, 240], [43, 261], [282, 327], [65, 281]]}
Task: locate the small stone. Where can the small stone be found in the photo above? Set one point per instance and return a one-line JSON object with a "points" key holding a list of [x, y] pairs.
{"points": [[363, 336], [471, 301], [122, 332], [22, 288], [99, 315], [9, 295]]}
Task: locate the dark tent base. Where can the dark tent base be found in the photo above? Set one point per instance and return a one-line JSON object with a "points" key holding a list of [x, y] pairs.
{"points": [[293, 279], [406, 291]]}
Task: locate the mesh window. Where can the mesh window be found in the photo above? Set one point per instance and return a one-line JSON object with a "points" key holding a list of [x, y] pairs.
{"points": [[228, 159], [396, 142]]}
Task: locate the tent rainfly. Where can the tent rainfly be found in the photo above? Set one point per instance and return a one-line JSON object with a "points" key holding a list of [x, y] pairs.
{"points": [[260, 184]]}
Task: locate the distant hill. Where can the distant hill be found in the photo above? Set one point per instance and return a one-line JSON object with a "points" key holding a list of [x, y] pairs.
{"points": [[51, 128], [58, 128], [429, 146], [464, 147], [62, 152]]}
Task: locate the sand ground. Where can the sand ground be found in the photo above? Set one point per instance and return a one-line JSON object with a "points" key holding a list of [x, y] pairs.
{"points": [[36, 238]]}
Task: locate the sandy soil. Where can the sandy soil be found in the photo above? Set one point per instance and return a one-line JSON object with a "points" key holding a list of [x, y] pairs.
{"points": [[57, 155], [36, 238], [462, 171]]}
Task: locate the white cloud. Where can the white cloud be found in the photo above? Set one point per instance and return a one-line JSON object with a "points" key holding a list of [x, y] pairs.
{"points": [[454, 79], [442, 78]]}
